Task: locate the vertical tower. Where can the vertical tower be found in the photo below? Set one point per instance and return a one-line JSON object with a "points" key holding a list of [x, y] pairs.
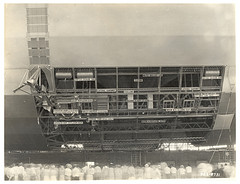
{"points": [[37, 34]]}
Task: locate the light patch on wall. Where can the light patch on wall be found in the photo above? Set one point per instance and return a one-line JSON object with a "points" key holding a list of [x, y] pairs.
{"points": [[223, 122]]}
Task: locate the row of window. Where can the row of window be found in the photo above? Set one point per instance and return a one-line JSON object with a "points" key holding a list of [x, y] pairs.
{"points": [[122, 84], [38, 52], [166, 104], [36, 11], [105, 78], [41, 43], [37, 20], [39, 60], [37, 28], [132, 81]]}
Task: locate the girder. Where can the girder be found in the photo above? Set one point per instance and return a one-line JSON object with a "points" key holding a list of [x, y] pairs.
{"points": [[69, 115], [66, 111]]}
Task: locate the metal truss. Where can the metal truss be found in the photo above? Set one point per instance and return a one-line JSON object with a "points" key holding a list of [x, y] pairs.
{"points": [[97, 117], [48, 126], [83, 104], [127, 145]]}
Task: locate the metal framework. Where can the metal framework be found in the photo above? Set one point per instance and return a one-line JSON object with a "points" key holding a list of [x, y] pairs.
{"points": [[118, 108], [133, 118]]}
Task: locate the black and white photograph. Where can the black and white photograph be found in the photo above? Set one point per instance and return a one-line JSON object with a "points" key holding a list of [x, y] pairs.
{"points": [[119, 91]]}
